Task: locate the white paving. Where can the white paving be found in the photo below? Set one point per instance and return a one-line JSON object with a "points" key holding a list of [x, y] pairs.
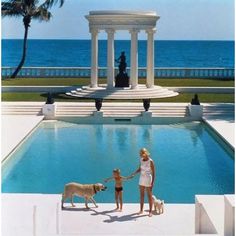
{"points": [[37, 214], [225, 128], [14, 129]]}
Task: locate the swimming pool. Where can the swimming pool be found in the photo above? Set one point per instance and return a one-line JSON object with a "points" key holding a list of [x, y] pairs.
{"points": [[189, 160]]}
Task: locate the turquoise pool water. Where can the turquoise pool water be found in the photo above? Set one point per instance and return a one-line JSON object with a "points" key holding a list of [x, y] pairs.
{"points": [[189, 160]]}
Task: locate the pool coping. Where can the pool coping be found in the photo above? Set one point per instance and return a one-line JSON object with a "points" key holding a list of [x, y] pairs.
{"points": [[23, 132]]}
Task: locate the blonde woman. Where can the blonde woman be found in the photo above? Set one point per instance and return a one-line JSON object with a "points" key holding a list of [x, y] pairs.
{"points": [[146, 180]]}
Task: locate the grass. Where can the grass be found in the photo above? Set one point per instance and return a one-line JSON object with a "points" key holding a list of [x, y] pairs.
{"points": [[183, 97], [85, 81]]}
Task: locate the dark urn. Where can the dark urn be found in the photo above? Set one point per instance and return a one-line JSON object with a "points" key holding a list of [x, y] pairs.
{"points": [[98, 104], [146, 104], [50, 99]]}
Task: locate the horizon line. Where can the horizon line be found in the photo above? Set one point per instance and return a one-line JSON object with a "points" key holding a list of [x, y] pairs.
{"points": [[120, 39]]}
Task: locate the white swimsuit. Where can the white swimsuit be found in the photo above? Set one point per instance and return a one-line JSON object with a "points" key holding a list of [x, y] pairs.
{"points": [[146, 173]]}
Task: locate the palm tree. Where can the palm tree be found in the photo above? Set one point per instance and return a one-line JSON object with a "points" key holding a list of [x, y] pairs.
{"points": [[28, 9]]}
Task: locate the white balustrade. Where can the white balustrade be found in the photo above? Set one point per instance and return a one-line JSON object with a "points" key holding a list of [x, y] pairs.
{"points": [[75, 72]]}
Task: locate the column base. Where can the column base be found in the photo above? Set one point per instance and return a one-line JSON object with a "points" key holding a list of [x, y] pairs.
{"points": [[109, 86], [150, 86], [134, 86]]}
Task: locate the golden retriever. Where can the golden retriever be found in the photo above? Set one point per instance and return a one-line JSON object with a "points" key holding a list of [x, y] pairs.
{"points": [[87, 191]]}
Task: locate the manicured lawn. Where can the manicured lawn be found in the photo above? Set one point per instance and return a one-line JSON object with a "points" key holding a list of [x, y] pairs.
{"points": [[183, 97], [86, 81]]}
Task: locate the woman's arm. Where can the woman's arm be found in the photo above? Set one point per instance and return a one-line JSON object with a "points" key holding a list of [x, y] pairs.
{"points": [[136, 172], [153, 172], [108, 179], [128, 177]]}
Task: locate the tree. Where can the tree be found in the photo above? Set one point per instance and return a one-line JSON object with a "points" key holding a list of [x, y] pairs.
{"points": [[28, 9]]}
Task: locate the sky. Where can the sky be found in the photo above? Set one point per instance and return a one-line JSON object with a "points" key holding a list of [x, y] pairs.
{"points": [[179, 20]]}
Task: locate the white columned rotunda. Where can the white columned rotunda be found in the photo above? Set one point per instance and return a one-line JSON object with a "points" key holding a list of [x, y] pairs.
{"points": [[110, 58], [133, 22]]}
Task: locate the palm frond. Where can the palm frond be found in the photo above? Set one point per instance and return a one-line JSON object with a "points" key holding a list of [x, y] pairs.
{"points": [[50, 3], [13, 8], [41, 14]]}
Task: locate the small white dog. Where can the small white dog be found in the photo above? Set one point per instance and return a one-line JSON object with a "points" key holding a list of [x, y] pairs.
{"points": [[158, 204]]}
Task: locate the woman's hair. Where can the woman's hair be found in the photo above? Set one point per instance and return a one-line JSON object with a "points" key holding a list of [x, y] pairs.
{"points": [[144, 151]]}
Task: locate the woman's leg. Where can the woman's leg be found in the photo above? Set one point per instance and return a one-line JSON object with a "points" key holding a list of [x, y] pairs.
{"points": [[149, 193], [142, 189]]}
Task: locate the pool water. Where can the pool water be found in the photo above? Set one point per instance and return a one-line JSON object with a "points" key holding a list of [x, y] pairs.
{"points": [[189, 160]]}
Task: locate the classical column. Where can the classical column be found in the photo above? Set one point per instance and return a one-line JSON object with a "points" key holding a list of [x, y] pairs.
{"points": [[94, 58], [150, 58], [110, 58], [134, 59]]}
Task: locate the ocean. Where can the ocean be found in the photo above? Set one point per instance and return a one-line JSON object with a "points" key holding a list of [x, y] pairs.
{"points": [[77, 53]]}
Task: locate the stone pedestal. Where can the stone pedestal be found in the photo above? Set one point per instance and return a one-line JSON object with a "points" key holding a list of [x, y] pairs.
{"points": [[146, 116], [49, 110], [195, 111], [229, 218], [122, 80], [98, 114]]}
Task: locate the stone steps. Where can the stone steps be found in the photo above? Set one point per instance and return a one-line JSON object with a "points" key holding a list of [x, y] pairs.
{"points": [[121, 110], [21, 109], [122, 93], [219, 111]]}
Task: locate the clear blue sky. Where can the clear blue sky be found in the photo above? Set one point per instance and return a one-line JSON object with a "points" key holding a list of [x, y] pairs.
{"points": [[180, 19]]}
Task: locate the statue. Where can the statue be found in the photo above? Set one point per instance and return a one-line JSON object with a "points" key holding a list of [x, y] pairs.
{"points": [[122, 79]]}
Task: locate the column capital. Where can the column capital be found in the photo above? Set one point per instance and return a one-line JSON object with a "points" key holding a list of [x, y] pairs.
{"points": [[110, 31], [151, 31], [134, 31], [93, 31]]}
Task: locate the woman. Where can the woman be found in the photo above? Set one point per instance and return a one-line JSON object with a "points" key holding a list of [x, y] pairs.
{"points": [[146, 180]]}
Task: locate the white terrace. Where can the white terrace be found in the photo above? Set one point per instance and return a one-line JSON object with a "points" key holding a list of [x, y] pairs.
{"points": [[40, 214]]}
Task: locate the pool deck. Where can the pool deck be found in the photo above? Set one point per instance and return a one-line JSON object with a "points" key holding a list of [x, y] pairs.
{"points": [[224, 127], [40, 214], [14, 130]]}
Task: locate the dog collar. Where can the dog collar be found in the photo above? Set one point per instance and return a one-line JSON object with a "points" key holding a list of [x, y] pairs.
{"points": [[94, 188]]}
